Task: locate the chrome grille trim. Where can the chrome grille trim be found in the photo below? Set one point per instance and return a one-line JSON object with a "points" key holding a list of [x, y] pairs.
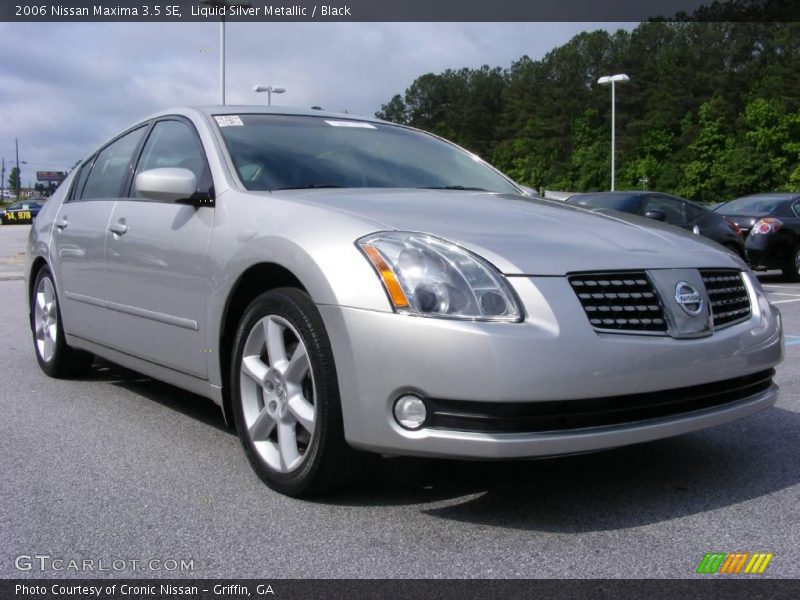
{"points": [[727, 295], [622, 302]]}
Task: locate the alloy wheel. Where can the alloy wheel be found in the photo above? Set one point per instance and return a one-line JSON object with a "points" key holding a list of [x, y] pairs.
{"points": [[45, 319], [278, 393]]}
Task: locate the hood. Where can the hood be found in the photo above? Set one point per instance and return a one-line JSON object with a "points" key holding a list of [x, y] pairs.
{"points": [[528, 236]]}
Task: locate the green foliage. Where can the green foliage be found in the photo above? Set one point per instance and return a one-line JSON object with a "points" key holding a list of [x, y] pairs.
{"points": [[13, 181], [712, 110]]}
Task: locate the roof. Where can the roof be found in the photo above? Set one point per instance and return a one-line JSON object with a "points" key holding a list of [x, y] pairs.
{"points": [[277, 110]]}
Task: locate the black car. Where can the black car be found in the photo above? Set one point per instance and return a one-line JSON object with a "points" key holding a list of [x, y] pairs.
{"points": [[773, 225], [670, 209], [24, 211]]}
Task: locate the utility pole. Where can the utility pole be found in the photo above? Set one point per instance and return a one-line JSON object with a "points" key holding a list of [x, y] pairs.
{"points": [[19, 178], [2, 180]]}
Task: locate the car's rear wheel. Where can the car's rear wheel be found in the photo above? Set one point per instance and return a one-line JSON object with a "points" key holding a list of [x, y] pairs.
{"points": [[285, 396], [55, 356], [791, 272]]}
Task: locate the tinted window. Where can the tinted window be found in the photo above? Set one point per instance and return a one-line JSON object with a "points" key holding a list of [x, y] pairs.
{"points": [[675, 210], [614, 201], [280, 151], [111, 166], [753, 205], [174, 144], [694, 212]]}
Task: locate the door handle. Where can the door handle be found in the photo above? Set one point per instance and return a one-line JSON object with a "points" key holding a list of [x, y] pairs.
{"points": [[61, 224], [118, 228]]}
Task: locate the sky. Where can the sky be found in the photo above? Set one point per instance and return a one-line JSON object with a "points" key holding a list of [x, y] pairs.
{"points": [[65, 88]]}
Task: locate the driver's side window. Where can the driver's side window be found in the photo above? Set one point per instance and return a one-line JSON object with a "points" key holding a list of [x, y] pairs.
{"points": [[172, 144], [674, 210]]}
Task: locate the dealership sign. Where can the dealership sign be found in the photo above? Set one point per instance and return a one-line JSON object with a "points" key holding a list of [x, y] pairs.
{"points": [[56, 176]]}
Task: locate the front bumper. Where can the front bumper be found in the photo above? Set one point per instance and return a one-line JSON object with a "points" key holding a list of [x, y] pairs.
{"points": [[554, 355]]}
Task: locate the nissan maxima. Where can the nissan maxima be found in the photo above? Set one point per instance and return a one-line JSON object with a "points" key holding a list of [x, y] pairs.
{"points": [[343, 286]]}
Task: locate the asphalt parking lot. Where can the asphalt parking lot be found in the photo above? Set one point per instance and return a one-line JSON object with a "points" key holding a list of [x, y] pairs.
{"points": [[117, 466]]}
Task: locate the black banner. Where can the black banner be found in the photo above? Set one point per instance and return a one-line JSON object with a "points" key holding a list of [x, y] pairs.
{"points": [[394, 10], [394, 589]]}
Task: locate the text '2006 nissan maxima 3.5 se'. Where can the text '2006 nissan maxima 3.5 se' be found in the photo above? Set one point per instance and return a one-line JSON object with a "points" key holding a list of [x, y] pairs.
{"points": [[342, 285]]}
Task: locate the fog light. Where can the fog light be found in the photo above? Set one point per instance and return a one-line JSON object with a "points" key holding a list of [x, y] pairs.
{"points": [[410, 412]]}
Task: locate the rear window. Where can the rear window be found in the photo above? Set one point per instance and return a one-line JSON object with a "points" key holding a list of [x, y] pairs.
{"points": [[753, 205]]}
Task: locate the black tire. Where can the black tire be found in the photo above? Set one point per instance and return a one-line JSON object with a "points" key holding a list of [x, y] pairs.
{"points": [[791, 271], [65, 361], [327, 462]]}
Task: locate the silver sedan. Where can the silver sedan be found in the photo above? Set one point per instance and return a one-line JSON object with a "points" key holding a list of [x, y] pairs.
{"points": [[343, 286]]}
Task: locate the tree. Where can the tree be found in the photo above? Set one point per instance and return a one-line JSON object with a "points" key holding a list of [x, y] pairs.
{"points": [[394, 111], [712, 109], [13, 181]]}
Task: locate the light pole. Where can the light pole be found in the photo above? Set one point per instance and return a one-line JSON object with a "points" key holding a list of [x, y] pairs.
{"points": [[270, 89], [613, 79], [223, 5]]}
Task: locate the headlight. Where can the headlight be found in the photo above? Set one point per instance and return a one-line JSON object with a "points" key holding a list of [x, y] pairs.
{"points": [[426, 276]]}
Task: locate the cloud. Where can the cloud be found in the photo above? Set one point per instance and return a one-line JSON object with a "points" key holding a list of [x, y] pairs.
{"points": [[65, 88]]}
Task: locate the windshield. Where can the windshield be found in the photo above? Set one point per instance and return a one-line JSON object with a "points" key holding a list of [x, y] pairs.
{"points": [[274, 152], [622, 202], [753, 205]]}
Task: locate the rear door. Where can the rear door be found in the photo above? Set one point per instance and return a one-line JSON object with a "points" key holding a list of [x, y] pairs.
{"points": [[79, 236], [157, 259]]}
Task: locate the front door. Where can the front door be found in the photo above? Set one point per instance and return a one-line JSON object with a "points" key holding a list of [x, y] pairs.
{"points": [[157, 260]]}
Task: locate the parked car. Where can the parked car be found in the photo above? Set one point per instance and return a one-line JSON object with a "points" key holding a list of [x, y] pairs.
{"points": [[342, 285], [24, 211], [669, 209], [772, 225]]}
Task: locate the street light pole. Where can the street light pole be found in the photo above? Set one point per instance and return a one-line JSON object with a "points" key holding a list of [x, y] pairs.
{"points": [[222, 61], [223, 6], [613, 79]]}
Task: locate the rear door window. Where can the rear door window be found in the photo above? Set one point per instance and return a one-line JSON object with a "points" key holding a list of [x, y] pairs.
{"points": [[110, 169]]}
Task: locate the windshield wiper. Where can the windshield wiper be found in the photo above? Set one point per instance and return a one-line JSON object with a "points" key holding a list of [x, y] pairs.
{"points": [[465, 188], [310, 186]]}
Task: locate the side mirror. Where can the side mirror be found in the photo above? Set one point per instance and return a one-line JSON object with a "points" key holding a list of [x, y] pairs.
{"points": [[657, 215], [168, 184], [529, 191]]}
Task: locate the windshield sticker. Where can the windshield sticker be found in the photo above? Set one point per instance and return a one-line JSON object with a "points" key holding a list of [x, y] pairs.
{"points": [[229, 121], [357, 124]]}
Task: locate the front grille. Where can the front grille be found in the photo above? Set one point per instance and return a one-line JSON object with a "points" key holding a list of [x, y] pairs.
{"points": [[619, 301], [728, 297], [569, 415]]}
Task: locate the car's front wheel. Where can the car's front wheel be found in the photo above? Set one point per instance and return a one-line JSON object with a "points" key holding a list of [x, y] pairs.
{"points": [[55, 356], [285, 396]]}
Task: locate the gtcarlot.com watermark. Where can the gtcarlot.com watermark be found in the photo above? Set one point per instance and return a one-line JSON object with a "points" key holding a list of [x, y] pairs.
{"points": [[43, 563]]}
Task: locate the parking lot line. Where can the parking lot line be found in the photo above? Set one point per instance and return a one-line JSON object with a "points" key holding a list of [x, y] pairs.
{"points": [[784, 301], [792, 340]]}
